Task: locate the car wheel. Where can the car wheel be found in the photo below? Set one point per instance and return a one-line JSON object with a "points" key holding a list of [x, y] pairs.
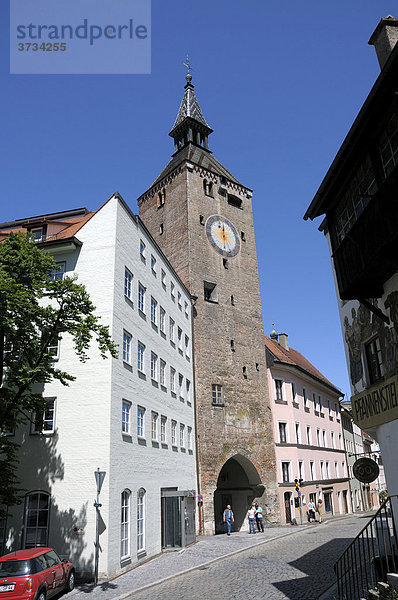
{"points": [[71, 581], [41, 596]]}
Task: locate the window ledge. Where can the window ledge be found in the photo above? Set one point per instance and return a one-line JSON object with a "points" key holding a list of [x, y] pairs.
{"points": [[129, 301], [141, 554], [217, 404], [281, 402], [126, 435], [211, 301], [296, 404], [306, 409]]}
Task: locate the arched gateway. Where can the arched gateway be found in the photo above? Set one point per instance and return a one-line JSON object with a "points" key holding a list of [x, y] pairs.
{"points": [[238, 484]]}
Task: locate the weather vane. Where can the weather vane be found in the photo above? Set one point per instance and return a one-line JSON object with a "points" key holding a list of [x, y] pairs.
{"points": [[188, 66]]}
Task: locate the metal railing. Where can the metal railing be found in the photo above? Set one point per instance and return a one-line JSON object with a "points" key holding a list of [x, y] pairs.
{"points": [[370, 556]]}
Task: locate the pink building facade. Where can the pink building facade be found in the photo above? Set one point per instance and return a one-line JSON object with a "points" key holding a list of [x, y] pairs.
{"points": [[309, 443]]}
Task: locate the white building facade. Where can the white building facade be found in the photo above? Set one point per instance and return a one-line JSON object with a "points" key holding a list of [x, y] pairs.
{"points": [[131, 417]]}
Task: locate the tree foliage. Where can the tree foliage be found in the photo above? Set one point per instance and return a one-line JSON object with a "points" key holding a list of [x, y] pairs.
{"points": [[36, 310]]}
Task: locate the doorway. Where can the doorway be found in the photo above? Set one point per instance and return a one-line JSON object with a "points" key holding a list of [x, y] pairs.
{"points": [[178, 518], [238, 484], [288, 510]]}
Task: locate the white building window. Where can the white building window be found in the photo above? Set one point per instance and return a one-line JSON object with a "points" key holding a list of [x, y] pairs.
{"points": [[320, 407], [305, 398], [180, 385], [324, 442], [327, 470], [141, 298], [140, 421], [189, 435], [188, 390], [301, 469], [282, 427], [344, 469], [216, 391], [172, 380], [141, 520], [172, 330], [186, 309], [187, 353], [163, 429], [53, 348], [182, 435], [128, 284], [58, 273], [312, 470], [332, 439], [37, 510], [341, 442], [153, 264], [142, 250], [179, 337], [154, 366], [286, 478], [162, 320], [154, 426], [44, 422], [172, 291], [322, 470], [318, 437], [125, 525], [163, 278], [336, 468], [174, 433], [293, 386], [126, 347], [141, 357], [179, 300], [278, 390], [162, 373], [126, 412], [154, 311]]}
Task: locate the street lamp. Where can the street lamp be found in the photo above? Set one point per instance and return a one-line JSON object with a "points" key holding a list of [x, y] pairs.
{"points": [[99, 479]]}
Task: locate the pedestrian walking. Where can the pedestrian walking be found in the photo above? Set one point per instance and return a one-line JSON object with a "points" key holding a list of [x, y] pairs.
{"points": [[259, 518], [319, 509], [251, 513], [311, 511], [228, 518]]}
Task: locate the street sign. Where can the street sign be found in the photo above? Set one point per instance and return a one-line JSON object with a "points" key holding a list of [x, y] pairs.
{"points": [[365, 470], [99, 478], [200, 498]]}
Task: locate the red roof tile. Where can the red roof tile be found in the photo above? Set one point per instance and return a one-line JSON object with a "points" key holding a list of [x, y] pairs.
{"points": [[294, 358]]}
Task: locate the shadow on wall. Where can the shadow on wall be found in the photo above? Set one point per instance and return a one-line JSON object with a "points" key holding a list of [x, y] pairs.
{"points": [[40, 467]]}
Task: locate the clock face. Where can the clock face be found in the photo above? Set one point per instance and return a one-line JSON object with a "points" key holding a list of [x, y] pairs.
{"points": [[223, 236]]}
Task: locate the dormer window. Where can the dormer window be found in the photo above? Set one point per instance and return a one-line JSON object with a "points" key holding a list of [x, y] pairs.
{"points": [[38, 234]]}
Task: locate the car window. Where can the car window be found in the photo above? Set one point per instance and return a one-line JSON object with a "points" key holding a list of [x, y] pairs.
{"points": [[15, 568], [41, 563], [52, 558]]}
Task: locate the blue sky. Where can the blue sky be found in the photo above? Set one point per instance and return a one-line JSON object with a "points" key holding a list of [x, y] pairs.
{"points": [[279, 82]]}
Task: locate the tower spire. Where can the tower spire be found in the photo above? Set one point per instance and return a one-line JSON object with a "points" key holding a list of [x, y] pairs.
{"points": [[190, 125]]}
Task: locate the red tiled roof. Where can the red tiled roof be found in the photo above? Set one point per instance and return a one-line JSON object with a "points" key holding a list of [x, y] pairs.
{"points": [[71, 227], [294, 358]]}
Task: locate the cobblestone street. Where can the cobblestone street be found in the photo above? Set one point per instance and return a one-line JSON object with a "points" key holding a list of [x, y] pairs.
{"points": [[298, 567], [281, 564]]}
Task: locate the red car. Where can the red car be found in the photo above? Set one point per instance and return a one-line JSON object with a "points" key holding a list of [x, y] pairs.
{"points": [[34, 574]]}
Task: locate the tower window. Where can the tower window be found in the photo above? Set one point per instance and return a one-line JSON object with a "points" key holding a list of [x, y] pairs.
{"points": [[244, 371], [225, 263], [161, 229], [234, 201], [210, 291], [257, 367], [216, 394], [232, 301], [242, 235], [201, 219], [208, 188], [232, 345], [161, 199]]}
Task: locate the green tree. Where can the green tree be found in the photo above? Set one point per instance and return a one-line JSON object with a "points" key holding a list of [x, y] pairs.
{"points": [[36, 310]]}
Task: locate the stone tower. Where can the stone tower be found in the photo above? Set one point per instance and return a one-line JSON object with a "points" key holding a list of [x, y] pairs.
{"points": [[201, 216]]}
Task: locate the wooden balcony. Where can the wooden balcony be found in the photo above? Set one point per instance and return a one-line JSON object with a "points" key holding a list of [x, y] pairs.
{"points": [[368, 255]]}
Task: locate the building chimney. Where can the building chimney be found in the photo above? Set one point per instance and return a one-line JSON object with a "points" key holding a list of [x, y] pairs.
{"points": [[384, 38], [283, 340]]}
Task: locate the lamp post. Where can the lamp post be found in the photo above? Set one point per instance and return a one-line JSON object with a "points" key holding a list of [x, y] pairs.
{"points": [[99, 479]]}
